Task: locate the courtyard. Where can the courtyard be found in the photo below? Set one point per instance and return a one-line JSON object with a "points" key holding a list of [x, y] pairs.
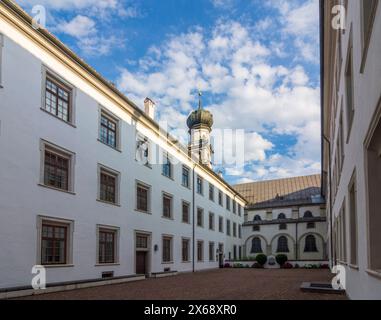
{"points": [[218, 284]]}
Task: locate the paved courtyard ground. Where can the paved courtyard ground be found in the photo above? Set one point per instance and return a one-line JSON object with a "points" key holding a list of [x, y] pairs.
{"points": [[233, 284]]}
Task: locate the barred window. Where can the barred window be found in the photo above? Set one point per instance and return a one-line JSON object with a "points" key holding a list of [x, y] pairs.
{"points": [[106, 246], [56, 170], [282, 244], [310, 245], [54, 244], [57, 98]]}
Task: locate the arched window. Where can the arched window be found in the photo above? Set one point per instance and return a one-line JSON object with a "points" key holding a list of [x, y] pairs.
{"points": [[308, 214], [281, 216], [257, 217], [310, 245], [256, 246], [283, 226], [282, 244]]}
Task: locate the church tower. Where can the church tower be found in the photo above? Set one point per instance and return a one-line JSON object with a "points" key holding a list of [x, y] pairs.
{"points": [[200, 124]]}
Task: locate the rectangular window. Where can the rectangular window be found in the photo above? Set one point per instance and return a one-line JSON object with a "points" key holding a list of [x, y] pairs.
{"points": [[227, 202], [108, 130], [200, 217], [200, 185], [200, 251], [167, 167], [167, 249], [240, 231], [56, 170], [185, 177], [211, 192], [54, 243], [58, 98], [350, 109], [235, 252], [185, 250], [142, 197], [211, 251], [234, 229], [239, 210], [353, 220], [228, 227], [141, 241], [220, 198], [234, 207], [107, 246], [211, 221], [186, 214], [108, 186], [167, 206], [220, 224]]}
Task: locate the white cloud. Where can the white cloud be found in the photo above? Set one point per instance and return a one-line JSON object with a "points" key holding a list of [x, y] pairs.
{"points": [[254, 95], [78, 27], [223, 4], [72, 4]]}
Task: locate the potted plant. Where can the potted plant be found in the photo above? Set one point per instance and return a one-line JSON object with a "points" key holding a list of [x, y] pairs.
{"points": [[281, 259], [261, 259]]}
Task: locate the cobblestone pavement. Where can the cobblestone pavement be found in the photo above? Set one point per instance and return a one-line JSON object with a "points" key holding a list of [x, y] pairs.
{"points": [[234, 284]]}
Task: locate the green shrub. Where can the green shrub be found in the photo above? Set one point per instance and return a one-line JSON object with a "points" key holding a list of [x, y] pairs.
{"points": [[281, 259], [256, 265], [261, 259]]}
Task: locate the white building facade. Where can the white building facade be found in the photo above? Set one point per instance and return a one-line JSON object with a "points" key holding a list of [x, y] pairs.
{"points": [[81, 191], [285, 216], [351, 109]]}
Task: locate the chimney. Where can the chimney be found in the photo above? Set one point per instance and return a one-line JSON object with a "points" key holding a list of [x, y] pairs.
{"points": [[149, 108]]}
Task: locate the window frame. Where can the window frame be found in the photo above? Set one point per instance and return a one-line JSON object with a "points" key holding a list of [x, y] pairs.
{"points": [[255, 246], [187, 203], [310, 247], [116, 234], [147, 187], [167, 161], [187, 241], [282, 247], [200, 259], [349, 107], [220, 198], [170, 197], [211, 192], [111, 172], [170, 238], [353, 221], [141, 139], [66, 86], [64, 153], [211, 248], [201, 184], [202, 217], [103, 112], [185, 168], [228, 228], [69, 224], [211, 215]]}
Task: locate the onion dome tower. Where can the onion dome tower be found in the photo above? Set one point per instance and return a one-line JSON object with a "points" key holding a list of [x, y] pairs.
{"points": [[200, 124]]}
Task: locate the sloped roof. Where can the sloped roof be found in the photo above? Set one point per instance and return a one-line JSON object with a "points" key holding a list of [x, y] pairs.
{"points": [[281, 191]]}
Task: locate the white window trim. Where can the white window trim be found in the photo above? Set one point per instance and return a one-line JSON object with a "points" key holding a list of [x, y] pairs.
{"points": [[149, 189], [1, 59], [111, 171], [70, 237], [116, 244], [72, 111], [108, 114], [62, 152], [189, 215]]}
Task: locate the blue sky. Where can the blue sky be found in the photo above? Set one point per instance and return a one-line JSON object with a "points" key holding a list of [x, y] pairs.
{"points": [[257, 63]]}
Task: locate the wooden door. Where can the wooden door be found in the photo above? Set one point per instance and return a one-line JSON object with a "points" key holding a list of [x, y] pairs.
{"points": [[141, 262]]}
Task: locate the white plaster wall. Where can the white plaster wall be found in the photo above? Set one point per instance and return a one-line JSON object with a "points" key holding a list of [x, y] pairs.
{"points": [[23, 124], [360, 284]]}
